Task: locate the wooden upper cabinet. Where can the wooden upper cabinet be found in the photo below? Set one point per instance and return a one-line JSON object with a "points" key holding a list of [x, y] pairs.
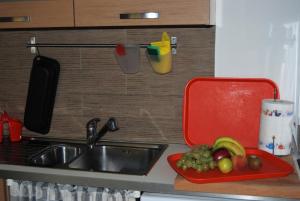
{"points": [[135, 12], [93, 13], [36, 14]]}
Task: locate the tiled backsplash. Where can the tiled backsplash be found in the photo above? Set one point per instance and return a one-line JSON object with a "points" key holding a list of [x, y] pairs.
{"points": [[91, 84]]}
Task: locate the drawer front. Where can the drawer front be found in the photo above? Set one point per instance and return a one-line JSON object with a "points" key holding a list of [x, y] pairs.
{"points": [[141, 12], [35, 14]]}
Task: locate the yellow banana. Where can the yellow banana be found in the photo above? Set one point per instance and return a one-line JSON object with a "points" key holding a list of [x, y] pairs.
{"points": [[229, 139], [231, 147]]}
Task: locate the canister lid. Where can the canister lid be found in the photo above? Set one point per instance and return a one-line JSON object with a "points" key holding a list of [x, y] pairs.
{"points": [[277, 102]]}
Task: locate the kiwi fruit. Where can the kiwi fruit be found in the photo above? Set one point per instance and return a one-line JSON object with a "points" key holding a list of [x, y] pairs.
{"points": [[254, 162]]}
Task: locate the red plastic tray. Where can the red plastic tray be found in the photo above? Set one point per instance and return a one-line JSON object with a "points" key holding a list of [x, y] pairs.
{"points": [[215, 107], [272, 167]]}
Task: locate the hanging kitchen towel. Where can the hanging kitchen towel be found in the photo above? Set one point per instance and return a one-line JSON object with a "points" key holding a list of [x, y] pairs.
{"points": [[41, 94], [275, 134]]}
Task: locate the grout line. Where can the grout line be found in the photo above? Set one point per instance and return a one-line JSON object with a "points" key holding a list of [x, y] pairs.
{"points": [[81, 94], [126, 84], [126, 77]]}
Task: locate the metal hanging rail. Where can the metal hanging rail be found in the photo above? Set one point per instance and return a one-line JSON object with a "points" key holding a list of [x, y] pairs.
{"points": [[33, 45], [83, 45]]}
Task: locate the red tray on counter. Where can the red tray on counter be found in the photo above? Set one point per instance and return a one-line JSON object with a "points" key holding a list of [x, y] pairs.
{"points": [[215, 107], [272, 166]]}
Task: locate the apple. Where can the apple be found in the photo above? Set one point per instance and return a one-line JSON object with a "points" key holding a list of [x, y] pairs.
{"points": [[239, 162], [220, 153], [225, 165]]}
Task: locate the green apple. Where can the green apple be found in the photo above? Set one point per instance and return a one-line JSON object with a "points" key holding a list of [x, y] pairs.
{"points": [[225, 165]]}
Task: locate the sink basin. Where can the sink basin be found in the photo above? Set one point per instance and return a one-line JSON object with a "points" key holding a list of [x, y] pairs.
{"points": [[125, 158], [57, 155], [113, 157]]}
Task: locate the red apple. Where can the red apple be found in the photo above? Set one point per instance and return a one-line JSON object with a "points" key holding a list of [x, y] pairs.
{"points": [[221, 153], [239, 162]]}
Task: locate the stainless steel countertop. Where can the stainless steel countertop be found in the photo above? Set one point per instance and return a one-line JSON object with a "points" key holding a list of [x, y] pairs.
{"points": [[13, 165], [160, 179]]}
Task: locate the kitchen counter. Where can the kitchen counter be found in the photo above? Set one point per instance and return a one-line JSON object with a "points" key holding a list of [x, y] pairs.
{"points": [[160, 179]]}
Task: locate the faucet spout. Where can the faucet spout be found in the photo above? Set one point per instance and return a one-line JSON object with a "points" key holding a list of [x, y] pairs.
{"points": [[111, 125], [93, 136]]}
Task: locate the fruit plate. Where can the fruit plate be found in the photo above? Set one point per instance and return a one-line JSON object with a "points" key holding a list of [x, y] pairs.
{"points": [[272, 166]]}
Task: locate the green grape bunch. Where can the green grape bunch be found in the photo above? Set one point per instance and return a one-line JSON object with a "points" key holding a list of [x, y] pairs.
{"points": [[198, 158]]}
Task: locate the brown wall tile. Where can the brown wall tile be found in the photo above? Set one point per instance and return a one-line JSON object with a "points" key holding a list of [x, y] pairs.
{"points": [[91, 84]]}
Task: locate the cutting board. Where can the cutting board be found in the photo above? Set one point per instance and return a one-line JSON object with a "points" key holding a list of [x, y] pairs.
{"points": [[283, 187]]}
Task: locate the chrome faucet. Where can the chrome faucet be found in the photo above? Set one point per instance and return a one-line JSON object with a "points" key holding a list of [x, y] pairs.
{"points": [[91, 131], [93, 136]]}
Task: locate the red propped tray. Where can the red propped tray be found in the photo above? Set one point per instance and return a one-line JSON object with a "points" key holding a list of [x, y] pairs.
{"points": [[215, 107], [272, 167]]}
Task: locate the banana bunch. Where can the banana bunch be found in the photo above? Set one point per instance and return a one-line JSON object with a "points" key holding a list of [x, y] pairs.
{"points": [[233, 146]]}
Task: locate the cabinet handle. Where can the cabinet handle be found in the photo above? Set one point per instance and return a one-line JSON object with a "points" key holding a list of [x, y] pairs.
{"points": [[147, 15], [15, 19]]}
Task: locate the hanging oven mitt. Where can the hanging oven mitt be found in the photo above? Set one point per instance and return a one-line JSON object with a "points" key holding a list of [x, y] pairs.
{"points": [[159, 54]]}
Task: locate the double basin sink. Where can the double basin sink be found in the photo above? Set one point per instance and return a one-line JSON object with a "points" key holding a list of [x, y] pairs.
{"points": [[113, 157]]}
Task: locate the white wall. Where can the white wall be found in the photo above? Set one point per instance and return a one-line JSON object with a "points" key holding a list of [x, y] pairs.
{"points": [[259, 38]]}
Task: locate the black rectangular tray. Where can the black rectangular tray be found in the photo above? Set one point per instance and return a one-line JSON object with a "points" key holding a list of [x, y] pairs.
{"points": [[41, 94]]}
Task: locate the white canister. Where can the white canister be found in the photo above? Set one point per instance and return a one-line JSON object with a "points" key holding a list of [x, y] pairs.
{"points": [[275, 133]]}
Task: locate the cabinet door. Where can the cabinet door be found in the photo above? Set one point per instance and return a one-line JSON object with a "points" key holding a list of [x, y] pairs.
{"points": [[35, 14], [2, 190], [169, 12]]}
